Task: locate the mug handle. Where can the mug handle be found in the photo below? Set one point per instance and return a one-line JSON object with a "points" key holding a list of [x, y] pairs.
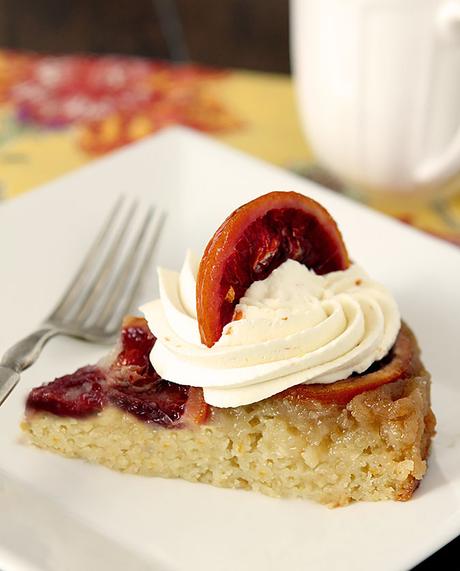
{"points": [[440, 168]]}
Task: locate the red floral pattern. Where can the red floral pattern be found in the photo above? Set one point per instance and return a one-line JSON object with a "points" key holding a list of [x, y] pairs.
{"points": [[112, 100]]}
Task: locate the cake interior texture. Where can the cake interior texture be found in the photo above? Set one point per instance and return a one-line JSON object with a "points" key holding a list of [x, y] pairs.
{"points": [[373, 447]]}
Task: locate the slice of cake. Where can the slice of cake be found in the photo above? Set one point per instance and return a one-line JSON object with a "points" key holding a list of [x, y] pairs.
{"points": [[290, 373]]}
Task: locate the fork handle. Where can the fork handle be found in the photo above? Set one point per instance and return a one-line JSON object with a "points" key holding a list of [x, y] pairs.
{"points": [[21, 356], [25, 352], [8, 380]]}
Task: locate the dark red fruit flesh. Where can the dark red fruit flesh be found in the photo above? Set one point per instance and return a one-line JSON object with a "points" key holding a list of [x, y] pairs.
{"points": [[161, 403], [79, 394], [129, 383], [267, 243], [136, 343], [252, 242]]}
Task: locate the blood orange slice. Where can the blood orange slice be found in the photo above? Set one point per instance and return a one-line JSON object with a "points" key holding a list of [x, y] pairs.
{"points": [[253, 241]]}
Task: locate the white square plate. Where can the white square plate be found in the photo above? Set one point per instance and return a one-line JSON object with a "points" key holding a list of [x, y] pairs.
{"points": [[58, 514]]}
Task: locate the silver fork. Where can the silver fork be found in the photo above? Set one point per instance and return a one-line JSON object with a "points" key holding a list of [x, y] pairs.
{"points": [[98, 297]]}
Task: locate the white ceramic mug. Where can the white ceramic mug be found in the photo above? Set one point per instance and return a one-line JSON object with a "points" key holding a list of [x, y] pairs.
{"points": [[378, 82]]}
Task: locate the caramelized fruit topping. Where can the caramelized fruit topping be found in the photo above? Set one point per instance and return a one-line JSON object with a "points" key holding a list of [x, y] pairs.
{"points": [[157, 401], [129, 383], [402, 362]]}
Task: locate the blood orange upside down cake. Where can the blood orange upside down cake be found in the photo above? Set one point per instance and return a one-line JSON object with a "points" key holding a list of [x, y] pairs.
{"points": [[275, 364]]}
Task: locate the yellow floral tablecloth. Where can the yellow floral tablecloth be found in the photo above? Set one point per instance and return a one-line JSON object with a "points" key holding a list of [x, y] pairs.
{"points": [[59, 112]]}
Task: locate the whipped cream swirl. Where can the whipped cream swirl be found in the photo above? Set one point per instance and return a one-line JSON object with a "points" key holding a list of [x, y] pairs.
{"points": [[293, 327]]}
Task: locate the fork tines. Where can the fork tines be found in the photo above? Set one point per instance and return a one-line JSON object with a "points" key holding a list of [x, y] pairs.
{"points": [[106, 283]]}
